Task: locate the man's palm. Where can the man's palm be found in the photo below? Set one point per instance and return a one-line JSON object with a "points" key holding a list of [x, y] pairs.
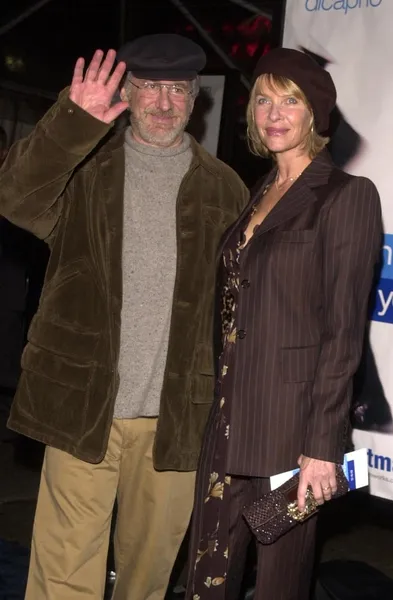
{"points": [[94, 90]]}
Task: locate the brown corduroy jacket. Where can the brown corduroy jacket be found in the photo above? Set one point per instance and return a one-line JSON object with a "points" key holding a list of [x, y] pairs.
{"points": [[64, 183]]}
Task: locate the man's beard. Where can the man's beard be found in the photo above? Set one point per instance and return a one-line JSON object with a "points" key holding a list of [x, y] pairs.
{"points": [[156, 135]]}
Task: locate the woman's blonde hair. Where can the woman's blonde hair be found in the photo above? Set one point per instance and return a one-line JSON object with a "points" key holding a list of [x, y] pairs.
{"points": [[313, 142]]}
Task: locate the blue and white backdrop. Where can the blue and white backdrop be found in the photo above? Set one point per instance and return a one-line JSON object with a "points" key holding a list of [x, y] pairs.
{"points": [[353, 40]]}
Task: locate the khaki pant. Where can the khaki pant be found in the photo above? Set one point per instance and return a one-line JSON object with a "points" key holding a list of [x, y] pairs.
{"points": [[73, 518]]}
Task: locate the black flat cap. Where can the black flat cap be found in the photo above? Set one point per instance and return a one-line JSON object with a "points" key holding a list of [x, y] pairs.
{"points": [[163, 56], [316, 83]]}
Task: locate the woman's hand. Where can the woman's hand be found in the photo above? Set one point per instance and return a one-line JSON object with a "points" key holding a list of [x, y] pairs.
{"points": [[320, 475], [94, 90]]}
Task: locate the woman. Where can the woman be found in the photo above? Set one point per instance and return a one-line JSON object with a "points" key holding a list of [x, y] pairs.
{"points": [[295, 276]]}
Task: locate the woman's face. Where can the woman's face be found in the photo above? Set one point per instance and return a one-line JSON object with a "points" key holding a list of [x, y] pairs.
{"points": [[283, 121]]}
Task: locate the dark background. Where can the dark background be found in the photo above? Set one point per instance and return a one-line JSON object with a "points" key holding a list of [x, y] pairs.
{"points": [[38, 50], [41, 49]]}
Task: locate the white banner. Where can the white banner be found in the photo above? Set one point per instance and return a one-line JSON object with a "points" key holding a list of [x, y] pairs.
{"points": [[353, 40]]}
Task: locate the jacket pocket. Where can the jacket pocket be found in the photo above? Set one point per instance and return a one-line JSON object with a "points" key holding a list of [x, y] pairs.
{"points": [[301, 236], [202, 379], [62, 340], [61, 298], [55, 390], [299, 364], [56, 368]]}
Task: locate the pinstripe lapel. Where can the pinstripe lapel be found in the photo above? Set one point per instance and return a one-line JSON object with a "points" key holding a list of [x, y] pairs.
{"points": [[300, 194], [297, 199]]}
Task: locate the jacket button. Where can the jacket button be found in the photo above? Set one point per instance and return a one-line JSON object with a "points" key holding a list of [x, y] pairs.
{"points": [[245, 283], [241, 334]]}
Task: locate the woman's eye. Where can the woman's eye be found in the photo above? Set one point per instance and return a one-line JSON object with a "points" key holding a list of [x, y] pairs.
{"points": [[262, 100], [292, 100]]}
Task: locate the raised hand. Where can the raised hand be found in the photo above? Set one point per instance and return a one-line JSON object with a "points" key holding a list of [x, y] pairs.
{"points": [[94, 90]]}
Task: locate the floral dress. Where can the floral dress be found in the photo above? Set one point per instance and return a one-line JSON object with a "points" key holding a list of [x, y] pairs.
{"points": [[209, 545]]}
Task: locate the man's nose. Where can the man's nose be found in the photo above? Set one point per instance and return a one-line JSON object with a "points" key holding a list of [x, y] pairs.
{"points": [[163, 99]]}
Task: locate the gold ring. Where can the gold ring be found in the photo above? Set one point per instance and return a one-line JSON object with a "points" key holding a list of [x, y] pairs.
{"points": [[325, 489]]}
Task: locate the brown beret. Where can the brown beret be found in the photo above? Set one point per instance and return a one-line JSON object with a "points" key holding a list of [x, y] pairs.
{"points": [[163, 56], [316, 83]]}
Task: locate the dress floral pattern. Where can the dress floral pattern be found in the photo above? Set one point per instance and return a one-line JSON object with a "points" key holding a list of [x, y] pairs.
{"points": [[212, 555], [209, 549]]}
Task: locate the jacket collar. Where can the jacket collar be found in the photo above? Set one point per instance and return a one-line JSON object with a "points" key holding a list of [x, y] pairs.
{"points": [[112, 142], [298, 197], [301, 194], [318, 171], [204, 159]]}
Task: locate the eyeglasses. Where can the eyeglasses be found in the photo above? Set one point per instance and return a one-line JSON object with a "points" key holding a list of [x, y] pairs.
{"points": [[153, 89]]}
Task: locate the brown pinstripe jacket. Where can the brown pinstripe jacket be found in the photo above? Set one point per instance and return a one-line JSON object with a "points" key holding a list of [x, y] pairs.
{"points": [[305, 281]]}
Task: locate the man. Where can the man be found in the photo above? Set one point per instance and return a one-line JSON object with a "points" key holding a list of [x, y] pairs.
{"points": [[118, 373]]}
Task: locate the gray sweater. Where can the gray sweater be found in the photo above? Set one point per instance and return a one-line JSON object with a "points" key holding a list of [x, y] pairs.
{"points": [[152, 180]]}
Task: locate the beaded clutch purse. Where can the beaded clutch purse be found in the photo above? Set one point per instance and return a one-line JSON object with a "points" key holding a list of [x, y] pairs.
{"points": [[277, 512]]}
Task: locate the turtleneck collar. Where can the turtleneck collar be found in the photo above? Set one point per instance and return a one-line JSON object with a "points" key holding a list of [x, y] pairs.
{"points": [[155, 150]]}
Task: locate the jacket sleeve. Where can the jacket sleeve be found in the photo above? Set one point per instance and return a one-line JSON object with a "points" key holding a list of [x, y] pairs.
{"points": [[352, 236], [243, 197], [37, 169]]}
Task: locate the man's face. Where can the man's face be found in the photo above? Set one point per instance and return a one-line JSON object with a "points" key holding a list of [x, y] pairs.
{"points": [[159, 114]]}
